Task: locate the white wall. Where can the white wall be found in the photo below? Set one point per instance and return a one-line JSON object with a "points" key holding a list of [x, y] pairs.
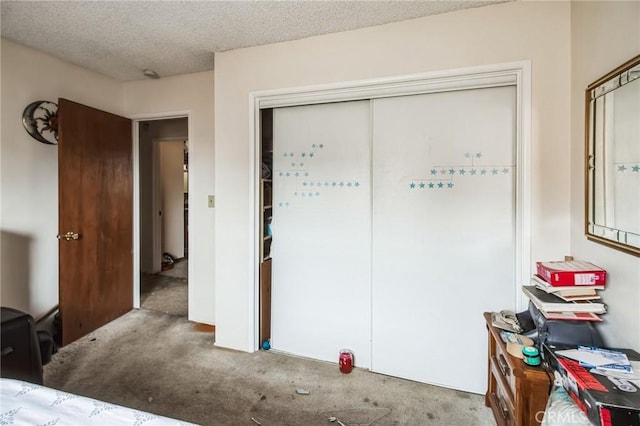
{"points": [[172, 186], [604, 35], [29, 171], [192, 93], [147, 211], [536, 31]]}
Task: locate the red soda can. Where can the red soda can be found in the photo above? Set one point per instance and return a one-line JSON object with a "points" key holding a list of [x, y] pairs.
{"points": [[346, 361]]}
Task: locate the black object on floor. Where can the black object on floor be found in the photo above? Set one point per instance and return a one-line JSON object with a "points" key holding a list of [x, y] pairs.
{"points": [[24, 349]]}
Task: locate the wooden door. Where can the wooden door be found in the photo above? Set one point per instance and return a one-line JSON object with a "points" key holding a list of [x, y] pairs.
{"points": [[95, 196]]}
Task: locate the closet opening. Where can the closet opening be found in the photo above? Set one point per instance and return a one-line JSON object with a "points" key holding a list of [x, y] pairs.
{"points": [[266, 216]]}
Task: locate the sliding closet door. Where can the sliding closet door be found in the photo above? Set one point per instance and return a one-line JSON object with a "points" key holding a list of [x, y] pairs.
{"points": [[321, 250], [443, 231]]}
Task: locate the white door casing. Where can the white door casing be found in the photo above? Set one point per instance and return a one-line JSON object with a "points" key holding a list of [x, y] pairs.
{"points": [[511, 74]]}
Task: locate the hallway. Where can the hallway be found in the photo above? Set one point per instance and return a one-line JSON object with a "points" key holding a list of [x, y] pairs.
{"points": [[166, 291]]}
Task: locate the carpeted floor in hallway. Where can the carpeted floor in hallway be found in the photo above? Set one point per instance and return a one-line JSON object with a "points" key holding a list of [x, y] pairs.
{"points": [[166, 291]]}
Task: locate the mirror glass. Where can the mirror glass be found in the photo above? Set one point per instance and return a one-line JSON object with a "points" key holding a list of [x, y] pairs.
{"points": [[613, 158]]}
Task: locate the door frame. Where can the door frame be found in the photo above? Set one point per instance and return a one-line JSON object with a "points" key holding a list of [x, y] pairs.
{"points": [[495, 75], [135, 129]]}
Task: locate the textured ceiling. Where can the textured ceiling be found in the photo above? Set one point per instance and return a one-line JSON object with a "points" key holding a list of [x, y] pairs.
{"points": [[121, 38]]}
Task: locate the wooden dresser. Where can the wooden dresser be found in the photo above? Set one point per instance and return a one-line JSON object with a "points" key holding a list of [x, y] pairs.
{"points": [[517, 393]]}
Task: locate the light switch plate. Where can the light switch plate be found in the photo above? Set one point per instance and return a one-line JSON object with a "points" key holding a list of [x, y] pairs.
{"points": [[212, 201]]}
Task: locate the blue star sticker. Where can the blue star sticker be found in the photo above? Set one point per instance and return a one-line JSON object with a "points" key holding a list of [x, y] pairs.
{"points": [[295, 193], [288, 174], [622, 168], [313, 146], [326, 183], [450, 185], [280, 204], [281, 174], [473, 171], [333, 184], [478, 155], [494, 172], [321, 146], [483, 172], [341, 183], [433, 171], [349, 184], [452, 172], [301, 164], [293, 164], [412, 186], [304, 155], [284, 155], [467, 155], [312, 155], [440, 185], [462, 171], [636, 169], [357, 184], [443, 172], [317, 194], [505, 170], [304, 183], [306, 174], [421, 185], [431, 185], [311, 183], [297, 174]]}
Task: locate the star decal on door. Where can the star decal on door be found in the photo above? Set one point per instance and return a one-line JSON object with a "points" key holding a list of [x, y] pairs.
{"points": [[299, 173], [443, 177]]}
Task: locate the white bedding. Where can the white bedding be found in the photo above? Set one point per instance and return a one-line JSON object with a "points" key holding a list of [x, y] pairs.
{"points": [[23, 403]]}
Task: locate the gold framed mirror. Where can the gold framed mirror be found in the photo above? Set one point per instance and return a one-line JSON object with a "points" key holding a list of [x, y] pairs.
{"points": [[612, 163]]}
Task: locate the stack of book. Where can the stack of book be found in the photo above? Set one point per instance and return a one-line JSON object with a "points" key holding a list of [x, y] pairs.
{"points": [[567, 290]]}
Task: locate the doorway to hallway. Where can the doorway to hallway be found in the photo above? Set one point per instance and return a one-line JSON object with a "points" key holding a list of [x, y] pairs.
{"points": [[164, 204]]}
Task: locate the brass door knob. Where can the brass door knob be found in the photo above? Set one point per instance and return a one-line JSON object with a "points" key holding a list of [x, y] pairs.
{"points": [[69, 236]]}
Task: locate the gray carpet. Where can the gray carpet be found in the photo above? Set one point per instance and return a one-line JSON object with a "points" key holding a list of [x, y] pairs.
{"points": [[167, 291], [180, 269], [161, 363]]}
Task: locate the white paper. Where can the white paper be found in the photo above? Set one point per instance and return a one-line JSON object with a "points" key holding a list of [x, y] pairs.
{"points": [[585, 356], [618, 374]]}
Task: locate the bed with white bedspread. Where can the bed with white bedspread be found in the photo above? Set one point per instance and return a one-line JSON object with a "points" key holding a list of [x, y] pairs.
{"points": [[23, 403]]}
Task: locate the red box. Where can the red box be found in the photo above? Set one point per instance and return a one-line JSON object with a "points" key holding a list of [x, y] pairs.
{"points": [[571, 273]]}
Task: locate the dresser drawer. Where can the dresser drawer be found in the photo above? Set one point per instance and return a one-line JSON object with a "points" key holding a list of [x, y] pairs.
{"points": [[502, 406], [503, 369]]}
